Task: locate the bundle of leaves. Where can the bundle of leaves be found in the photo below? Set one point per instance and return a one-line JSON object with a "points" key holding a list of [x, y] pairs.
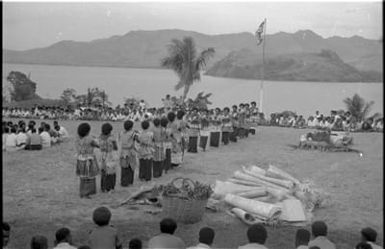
{"points": [[188, 190]]}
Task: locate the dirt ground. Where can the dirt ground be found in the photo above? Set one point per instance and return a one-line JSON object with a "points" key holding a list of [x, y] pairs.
{"points": [[40, 190]]}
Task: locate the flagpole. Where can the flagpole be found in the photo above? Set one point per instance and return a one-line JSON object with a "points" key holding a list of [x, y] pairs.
{"points": [[263, 69]]}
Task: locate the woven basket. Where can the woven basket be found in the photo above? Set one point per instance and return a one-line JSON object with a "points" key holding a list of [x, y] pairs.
{"points": [[183, 210]]}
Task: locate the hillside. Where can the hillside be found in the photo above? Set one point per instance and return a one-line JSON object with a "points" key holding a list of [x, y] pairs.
{"points": [[146, 48], [325, 66]]}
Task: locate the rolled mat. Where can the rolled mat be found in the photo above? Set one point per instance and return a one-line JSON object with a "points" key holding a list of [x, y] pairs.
{"points": [[244, 216], [279, 195], [256, 169], [243, 176], [258, 192], [243, 182], [283, 183], [273, 171], [223, 188], [261, 210]]}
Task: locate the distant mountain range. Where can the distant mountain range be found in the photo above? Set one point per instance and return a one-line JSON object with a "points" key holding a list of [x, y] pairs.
{"points": [[144, 49], [325, 66]]}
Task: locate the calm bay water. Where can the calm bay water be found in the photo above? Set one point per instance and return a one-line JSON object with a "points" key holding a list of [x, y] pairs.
{"points": [[153, 84]]}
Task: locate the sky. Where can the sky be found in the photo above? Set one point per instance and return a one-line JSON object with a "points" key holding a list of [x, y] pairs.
{"points": [[28, 25]]}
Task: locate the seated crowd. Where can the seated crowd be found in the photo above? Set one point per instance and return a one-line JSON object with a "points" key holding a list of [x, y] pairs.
{"points": [[20, 136], [105, 236], [342, 121]]}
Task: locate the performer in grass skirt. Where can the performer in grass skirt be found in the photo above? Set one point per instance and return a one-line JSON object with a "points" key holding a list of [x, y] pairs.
{"points": [[158, 159], [234, 121], [86, 165], [204, 131], [128, 154], [145, 152], [167, 145], [183, 128], [215, 127], [241, 121], [194, 131], [109, 158], [227, 126], [176, 140]]}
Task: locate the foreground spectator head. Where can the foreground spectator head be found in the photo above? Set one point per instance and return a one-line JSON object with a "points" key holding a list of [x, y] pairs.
{"points": [[257, 234], [164, 122], [156, 122], [363, 245], [319, 228], [302, 237], [168, 226], [106, 129], [6, 233], [128, 125], [135, 244], [171, 116], [101, 216], [84, 129], [368, 234], [63, 235], [206, 236], [145, 125], [180, 114], [314, 247], [84, 247], [39, 242]]}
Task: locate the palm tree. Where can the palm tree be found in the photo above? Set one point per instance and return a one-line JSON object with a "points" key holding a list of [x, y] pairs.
{"points": [[358, 107], [185, 61]]}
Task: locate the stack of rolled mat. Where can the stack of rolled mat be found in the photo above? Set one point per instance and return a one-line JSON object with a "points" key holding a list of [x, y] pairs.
{"points": [[258, 195], [258, 209]]}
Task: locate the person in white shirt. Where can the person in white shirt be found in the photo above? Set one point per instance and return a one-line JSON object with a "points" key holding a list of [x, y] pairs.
{"points": [[206, 239], [45, 138], [257, 236], [11, 142], [369, 235], [302, 238], [63, 239], [21, 138]]}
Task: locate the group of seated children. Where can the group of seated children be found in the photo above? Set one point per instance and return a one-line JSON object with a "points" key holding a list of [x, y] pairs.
{"points": [[27, 137], [103, 235]]}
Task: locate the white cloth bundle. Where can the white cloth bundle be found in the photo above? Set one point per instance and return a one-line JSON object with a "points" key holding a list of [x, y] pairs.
{"points": [[223, 188], [261, 210], [283, 183], [276, 172]]}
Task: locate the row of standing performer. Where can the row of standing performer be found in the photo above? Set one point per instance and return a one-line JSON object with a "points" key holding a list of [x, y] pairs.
{"points": [[156, 149]]}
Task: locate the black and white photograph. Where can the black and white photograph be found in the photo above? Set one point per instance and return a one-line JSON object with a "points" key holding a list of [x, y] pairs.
{"points": [[192, 124]]}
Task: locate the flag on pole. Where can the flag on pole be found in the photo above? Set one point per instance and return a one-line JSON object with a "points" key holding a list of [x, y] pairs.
{"points": [[259, 33]]}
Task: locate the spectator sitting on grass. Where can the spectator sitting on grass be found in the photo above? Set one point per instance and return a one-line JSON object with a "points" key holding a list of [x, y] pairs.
{"points": [[302, 238], [63, 239], [104, 236], [369, 235], [257, 236], [39, 242], [34, 141], [319, 231], [45, 136], [206, 238], [166, 239], [135, 244]]}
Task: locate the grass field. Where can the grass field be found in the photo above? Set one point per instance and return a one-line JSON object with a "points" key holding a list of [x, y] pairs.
{"points": [[40, 190]]}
